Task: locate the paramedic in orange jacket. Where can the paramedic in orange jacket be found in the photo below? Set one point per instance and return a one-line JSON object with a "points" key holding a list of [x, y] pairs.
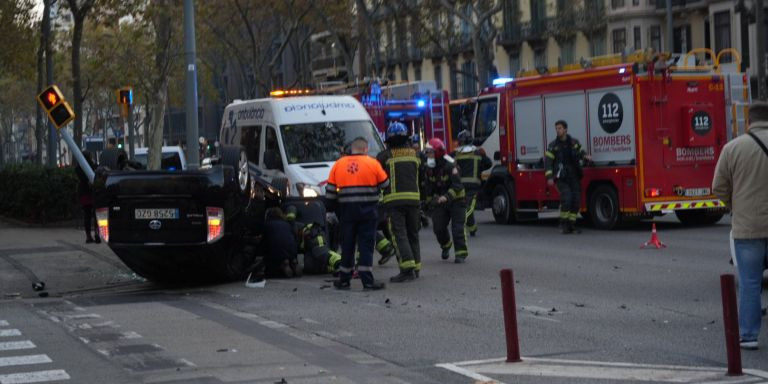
{"points": [[353, 189]]}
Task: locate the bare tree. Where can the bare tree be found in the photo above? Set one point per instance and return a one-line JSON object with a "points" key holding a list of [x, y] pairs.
{"points": [[478, 17]]}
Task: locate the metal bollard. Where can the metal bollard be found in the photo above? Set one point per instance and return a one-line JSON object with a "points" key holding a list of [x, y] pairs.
{"points": [[731, 324], [510, 315]]}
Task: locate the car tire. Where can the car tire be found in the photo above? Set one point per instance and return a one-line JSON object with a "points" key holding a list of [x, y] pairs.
{"points": [[235, 157]]}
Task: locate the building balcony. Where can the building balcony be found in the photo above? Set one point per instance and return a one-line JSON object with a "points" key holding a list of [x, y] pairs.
{"points": [[662, 4]]}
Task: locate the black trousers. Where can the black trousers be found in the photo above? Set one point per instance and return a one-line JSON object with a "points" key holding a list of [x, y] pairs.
{"points": [[452, 213], [570, 197], [405, 224]]}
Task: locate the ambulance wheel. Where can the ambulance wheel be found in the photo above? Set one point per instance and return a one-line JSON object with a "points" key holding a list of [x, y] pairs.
{"points": [[503, 203], [235, 157], [604, 207], [698, 216]]}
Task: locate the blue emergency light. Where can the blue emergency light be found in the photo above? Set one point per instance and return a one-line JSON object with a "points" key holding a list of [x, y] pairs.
{"points": [[420, 103], [502, 81]]}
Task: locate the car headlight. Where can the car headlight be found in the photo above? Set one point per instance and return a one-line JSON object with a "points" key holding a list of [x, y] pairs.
{"points": [[306, 190]]}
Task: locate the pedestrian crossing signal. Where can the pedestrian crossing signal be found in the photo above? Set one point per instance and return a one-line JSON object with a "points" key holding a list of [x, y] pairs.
{"points": [[57, 109], [125, 96]]}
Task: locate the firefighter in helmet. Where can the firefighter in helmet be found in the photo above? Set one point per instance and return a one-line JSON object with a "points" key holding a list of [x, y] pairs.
{"points": [[472, 162], [564, 160], [445, 195], [401, 199]]}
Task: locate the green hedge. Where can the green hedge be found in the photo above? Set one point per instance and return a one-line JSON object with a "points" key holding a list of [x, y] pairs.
{"points": [[38, 194]]}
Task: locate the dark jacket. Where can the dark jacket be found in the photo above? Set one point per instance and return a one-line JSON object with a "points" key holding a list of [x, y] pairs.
{"points": [[444, 180], [402, 165], [472, 162], [564, 159], [280, 241]]}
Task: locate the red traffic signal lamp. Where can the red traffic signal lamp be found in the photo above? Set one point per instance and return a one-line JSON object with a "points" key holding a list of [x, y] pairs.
{"points": [[57, 109]]}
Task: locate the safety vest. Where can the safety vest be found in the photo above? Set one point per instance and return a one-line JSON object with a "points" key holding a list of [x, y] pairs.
{"points": [[402, 166], [356, 179], [444, 180], [470, 162]]}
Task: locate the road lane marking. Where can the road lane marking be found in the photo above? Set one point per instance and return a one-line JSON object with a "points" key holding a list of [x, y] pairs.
{"points": [[34, 377], [14, 345], [9, 332], [24, 360]]}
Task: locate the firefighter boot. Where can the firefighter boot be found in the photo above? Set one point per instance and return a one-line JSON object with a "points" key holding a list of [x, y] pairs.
{"points": [[404, 276], [572, 227], [446, 254]]}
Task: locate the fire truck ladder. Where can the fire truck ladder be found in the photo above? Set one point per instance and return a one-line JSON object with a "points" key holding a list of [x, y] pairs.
{"points": [[437, 114]]}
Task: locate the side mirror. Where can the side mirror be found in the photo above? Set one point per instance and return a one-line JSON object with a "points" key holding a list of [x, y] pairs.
{"points": [[272, 159]]}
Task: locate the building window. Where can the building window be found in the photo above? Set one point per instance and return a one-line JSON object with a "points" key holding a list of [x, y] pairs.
{"points": [[655, 33], [597, 45], [638, 43], [619, 40], [722, 30], [539, 58], [617, 4], [468, 86], [514, 63], [438, 76], [566, 52], [681, 38]]}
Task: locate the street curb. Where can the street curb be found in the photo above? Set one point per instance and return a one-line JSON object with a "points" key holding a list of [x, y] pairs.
{"points": [[12, 222]]}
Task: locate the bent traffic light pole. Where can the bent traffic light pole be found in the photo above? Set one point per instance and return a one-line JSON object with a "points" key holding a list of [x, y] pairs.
{"points": [[76, 152]]}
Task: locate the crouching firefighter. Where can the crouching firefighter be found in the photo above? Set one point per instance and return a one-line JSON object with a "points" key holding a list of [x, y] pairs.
{"points": [[318, 257], [445, 195], [401, 199], [563, 162], [472, 161]]}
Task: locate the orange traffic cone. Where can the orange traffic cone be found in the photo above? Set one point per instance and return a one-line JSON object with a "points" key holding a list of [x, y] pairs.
{"points": [[654, 239]]}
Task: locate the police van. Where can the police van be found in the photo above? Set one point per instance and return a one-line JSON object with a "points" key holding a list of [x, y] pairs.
{"points": [[292, 142]]}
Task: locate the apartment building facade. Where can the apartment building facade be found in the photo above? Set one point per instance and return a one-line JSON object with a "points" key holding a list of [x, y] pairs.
{"points": [[420, 40]]}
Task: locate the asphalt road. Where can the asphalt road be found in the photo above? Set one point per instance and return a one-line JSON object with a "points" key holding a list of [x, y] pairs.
{"points": [[593, 297]]}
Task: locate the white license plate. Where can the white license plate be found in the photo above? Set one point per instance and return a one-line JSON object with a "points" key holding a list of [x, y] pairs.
{"points": [[697, 192], [156, 213]]}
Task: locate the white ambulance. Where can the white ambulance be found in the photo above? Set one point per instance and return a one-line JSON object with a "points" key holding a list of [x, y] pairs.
{"points": [[292, 142]]}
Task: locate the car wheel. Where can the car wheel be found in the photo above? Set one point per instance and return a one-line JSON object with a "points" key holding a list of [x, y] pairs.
{"points": [[235, 157]]}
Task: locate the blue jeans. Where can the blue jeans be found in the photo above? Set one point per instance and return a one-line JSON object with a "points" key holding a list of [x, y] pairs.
{"points": [[750, 260]]}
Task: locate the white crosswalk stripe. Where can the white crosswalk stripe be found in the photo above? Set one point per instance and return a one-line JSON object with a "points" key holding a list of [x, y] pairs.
{"points": [[24, 360], [34, 377], [9, 332], [20, 362], [14, 345]]}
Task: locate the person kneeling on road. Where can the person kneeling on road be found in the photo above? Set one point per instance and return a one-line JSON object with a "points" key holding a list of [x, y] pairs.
{"points": [[281, 247]]}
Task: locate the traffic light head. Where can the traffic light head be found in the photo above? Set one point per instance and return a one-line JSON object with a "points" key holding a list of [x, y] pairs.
{"points": [[125, 96], [49, 97], [57, 109]]}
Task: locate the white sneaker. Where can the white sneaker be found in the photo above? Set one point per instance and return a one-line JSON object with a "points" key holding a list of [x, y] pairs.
{"points": [[748, 345], [255, 281]]}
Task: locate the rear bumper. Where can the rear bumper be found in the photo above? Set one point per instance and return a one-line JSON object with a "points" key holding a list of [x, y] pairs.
{"points": [[177, 257], [670, 206]]}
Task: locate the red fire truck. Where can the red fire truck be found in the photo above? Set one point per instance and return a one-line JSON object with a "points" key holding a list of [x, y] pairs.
{"points": [[654, 136], [418, 104]]}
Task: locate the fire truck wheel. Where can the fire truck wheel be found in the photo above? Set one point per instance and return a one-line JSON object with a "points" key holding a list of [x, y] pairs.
{"points": [[698, 216], [235, 157], [604, 207], [503, 203]]}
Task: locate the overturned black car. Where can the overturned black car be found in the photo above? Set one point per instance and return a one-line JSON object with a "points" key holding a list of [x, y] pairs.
{"points": [[185, 226]]}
